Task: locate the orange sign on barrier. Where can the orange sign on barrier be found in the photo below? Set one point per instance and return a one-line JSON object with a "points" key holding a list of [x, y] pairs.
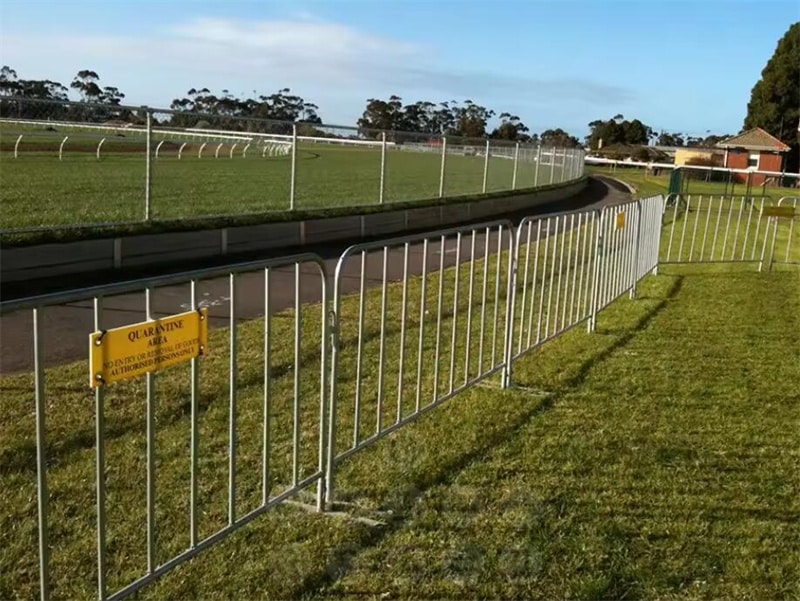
{"points": [[130, 351], [620, 220]]}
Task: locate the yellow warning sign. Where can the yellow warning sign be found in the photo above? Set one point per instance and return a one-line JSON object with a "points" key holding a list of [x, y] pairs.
{"points": [[620, 220], [150, 346], [778, 212]]}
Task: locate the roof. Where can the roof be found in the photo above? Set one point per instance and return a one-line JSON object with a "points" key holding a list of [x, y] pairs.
{"points": [[754, 139]]}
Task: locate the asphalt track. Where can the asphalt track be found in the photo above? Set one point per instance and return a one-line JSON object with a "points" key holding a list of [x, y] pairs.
{"points": [[66, 328]]}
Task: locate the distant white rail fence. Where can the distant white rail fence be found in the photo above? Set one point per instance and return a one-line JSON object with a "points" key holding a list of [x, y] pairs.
{"points": [[163, 135]]}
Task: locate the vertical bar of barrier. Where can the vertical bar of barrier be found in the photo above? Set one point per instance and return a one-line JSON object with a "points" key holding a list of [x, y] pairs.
{"points": [[148, 167], [383, 167], [194, 433], [485, 167], [552, 280], [454, 333], [544, 279], [151, 461], [469, 307], [422, 311], [42, 495], [576, 251], [360, 350], [298, 332], [293, 172], [442, 167], [598, 244], [484, 292], [100, 466], [267, 411], [637, 240], [524, 303], [232, 366], [400, 371], [538, 162], [533, 281], [439, 303], [323, 389], [511, 286], [382, 348]]}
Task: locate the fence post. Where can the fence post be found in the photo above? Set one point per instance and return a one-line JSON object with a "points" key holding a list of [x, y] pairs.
{"points": [[598, 248], [148, 167], [538, 160], [485, 167], [383, 166], [636, 250], [293, 174], [552, 164], [444, 162], [516, 163], [16, 145]]}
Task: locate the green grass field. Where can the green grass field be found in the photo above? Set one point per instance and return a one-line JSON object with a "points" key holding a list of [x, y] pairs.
{"points": [[38, 189], [655, 458]]}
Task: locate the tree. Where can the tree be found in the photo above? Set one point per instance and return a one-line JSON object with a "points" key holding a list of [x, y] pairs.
{"points": [[85, 83], [510, 128], [558, 137], [775, 98], [618, 130], [668, 139], [382, 115]]}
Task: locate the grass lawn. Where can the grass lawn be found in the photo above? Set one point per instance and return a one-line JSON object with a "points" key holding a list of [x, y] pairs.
{"points": [[648, 185], [39, 190], [655, 458]]}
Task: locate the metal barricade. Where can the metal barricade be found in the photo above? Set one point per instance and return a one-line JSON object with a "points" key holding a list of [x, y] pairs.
{"points": [[785, 247], [616, 257], [715, 229], [412, 344], [240, 429], [650, 231], [554, 277]]}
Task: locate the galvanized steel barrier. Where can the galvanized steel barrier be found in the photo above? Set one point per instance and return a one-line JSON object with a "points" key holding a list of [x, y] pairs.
{"points": [[280, 440], [724, 229], [783, 229], [442, 313], [431, 316]]}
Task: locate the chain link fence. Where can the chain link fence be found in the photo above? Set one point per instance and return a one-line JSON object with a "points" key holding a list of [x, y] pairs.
{"points": [[69, 164]]}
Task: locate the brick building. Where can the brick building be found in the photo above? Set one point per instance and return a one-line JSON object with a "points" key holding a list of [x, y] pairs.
{"points": [[755, 150]]}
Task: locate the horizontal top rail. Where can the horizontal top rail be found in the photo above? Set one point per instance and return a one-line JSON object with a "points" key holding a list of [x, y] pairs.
{"points": [[602, 161], [69, 296]]}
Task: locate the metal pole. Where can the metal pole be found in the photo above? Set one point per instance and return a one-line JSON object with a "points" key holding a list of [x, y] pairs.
{"points": [[148, 168], [538, 160], [637, 241], [444, 162], [41, 460], [383, 166], [293, 175], [485, 167], [516, 163]]}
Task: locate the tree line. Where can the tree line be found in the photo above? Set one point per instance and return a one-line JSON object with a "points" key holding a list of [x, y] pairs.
{"points": [[621, 131], [452, 118]]}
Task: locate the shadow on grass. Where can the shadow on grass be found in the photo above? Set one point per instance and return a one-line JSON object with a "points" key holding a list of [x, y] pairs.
{"points": [[616, 584]]}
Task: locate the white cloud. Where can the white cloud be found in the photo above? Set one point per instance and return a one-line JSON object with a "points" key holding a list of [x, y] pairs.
{"points": [[329, 63]]}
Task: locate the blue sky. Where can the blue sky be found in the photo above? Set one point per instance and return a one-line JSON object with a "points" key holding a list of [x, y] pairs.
{"points": [[678, 65]]}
